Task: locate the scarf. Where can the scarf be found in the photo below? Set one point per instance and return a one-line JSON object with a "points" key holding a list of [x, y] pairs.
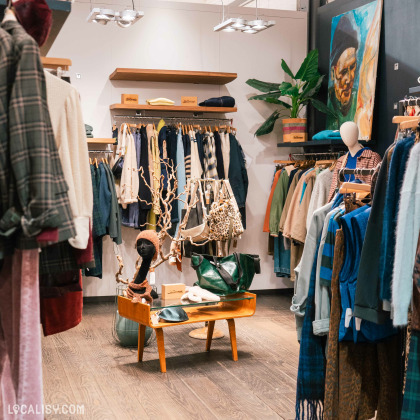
{"points": [[311, 371]]}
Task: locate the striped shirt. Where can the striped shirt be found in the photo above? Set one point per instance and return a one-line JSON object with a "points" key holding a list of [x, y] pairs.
{"points": [[210, 162]]}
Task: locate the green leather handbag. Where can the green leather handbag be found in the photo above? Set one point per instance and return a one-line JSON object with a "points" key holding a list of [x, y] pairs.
{"points": [[226, 275]]}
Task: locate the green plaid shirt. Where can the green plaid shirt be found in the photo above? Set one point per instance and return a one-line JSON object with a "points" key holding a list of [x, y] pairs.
{"points": [[38, 195]]}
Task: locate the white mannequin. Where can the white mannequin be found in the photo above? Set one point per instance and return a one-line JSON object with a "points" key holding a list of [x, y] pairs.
{"points": [[350, 135]]}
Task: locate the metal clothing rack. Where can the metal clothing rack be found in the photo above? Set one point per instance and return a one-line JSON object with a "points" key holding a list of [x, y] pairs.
{"points": [[101, 151], [356, 172], [183, 118], [315, 156]]}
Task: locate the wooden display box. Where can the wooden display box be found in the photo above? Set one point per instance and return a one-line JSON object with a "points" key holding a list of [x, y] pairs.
{"points": [[189, 101], [129, 98], [173, 291]]}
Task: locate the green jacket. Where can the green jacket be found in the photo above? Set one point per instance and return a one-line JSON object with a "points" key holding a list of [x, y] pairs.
{"points": [[277, 204]]}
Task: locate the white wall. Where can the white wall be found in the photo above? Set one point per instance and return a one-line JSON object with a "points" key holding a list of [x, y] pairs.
{"points": [[180, 37]]}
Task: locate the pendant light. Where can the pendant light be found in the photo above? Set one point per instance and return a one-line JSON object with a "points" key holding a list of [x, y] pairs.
{"points": [[123, 19], [258, 24]]}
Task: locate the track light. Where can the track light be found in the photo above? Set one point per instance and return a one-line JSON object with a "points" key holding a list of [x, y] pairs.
{"points": [[124, 19], [242, 25]]}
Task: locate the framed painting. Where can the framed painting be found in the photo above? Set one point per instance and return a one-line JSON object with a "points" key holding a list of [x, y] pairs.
{"points": [[354, 52]]}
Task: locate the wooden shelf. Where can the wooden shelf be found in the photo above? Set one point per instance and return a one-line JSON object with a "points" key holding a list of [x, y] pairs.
{"points": [[100, 141], [173, 76], [54, 63], [173, 108]]}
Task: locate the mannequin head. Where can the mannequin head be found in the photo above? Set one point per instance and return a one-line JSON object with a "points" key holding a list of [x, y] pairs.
{"points": [[145, 248], [145, 242], [350, 135]]}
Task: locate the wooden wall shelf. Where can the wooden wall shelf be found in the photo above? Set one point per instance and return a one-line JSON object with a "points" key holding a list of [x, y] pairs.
{"points": [[100, 141], [174, 108], [173, 76], [54, 63]]}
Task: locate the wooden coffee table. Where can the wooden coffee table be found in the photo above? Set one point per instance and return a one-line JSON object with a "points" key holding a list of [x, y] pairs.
{"points": [[230, 307]]}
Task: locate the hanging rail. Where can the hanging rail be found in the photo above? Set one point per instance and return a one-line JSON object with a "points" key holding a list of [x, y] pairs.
{"points": [[356, 172], [101, 151], [138, 117], [302, 156]]}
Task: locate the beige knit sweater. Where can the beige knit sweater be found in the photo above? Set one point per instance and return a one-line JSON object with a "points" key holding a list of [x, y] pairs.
{"points": [[70, 137]]}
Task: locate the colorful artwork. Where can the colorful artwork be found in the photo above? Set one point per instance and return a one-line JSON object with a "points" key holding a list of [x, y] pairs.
{"points": [[354, 52]]}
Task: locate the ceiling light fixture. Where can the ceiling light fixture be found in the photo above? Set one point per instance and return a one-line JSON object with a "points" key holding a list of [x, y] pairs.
{"points": [[242, 25], [124, 19]]}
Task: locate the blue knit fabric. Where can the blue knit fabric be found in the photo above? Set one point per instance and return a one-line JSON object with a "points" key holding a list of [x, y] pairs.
{"points": [[396, 173], [311, 370], [354, 227]]}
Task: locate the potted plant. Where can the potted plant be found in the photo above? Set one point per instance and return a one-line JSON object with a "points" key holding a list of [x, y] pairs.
{"points": [[301, 91]]}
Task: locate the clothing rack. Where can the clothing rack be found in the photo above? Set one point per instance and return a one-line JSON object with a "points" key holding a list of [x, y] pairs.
{"points": [[357, 171], [314, 156], [101, 151], [137, 117]]}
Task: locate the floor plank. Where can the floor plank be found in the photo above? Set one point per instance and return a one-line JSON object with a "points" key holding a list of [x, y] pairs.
{"points": [[85, 365]]}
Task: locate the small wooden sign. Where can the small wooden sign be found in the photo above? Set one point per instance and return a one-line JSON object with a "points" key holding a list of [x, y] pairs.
{"points": [[173, 291], [189, 100], [129, 98]]}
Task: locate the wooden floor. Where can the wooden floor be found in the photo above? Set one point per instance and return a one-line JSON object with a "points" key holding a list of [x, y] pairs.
{"points": [[86, 366]]}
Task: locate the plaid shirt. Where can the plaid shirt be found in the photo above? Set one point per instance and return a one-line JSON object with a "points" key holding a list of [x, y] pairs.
{"points": [[7, 73], [367, 160], [210, 163], [39, 192]]}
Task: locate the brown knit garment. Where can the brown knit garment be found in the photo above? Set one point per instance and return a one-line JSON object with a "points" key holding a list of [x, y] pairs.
{"points": [[137, 297]]}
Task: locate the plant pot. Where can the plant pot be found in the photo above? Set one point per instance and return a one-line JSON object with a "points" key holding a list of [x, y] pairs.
{"points": [[294, 130]]}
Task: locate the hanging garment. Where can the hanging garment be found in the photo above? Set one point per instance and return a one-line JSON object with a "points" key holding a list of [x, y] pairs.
{"points": [[187, 154], [61, 313], [172, 146], [266, 227], [70, 137], [210, 163], [129, 177], [303, 271], [408, 227], [319, 196], [367, 303], [7, 74], [144, 176], [224, 137], [32, 151], [130, 215], [219, 156], [200, 147], [411, 402], [396, 173], [20, 335], [154, 167], [367, 160], [114, 227], [163, 155], [181, 174], [291, 190], [311, 370], [278, 199], [238, 175], [281, 257], [104, 197], [196, 169]]}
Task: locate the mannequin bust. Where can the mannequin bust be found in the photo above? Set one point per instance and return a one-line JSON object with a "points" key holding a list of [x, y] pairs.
{"points": [[147, 245], [350, 135]]}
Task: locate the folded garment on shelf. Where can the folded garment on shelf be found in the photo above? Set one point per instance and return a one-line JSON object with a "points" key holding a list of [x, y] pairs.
{"points": [[223, 101], [160, 101], [327, 135]]}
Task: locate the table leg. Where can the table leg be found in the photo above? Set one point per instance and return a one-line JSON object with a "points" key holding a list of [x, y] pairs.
{"points": [[140, 345], [161, 348], [210, 329], [232, 333]]}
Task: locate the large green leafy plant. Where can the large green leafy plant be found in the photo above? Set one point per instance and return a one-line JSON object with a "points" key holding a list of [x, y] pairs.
{"points": [[301, 91]]}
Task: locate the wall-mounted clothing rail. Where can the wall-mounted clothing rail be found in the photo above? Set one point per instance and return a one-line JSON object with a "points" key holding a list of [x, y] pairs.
{"points": [[315, 156], [101, 151], [183, 118]]}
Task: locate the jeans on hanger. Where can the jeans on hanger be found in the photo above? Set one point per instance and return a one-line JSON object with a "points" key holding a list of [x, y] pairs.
{"points": [[281, 257]]}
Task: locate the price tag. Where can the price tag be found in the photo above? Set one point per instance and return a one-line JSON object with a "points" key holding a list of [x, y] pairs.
{"points": [[152, 278]]}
